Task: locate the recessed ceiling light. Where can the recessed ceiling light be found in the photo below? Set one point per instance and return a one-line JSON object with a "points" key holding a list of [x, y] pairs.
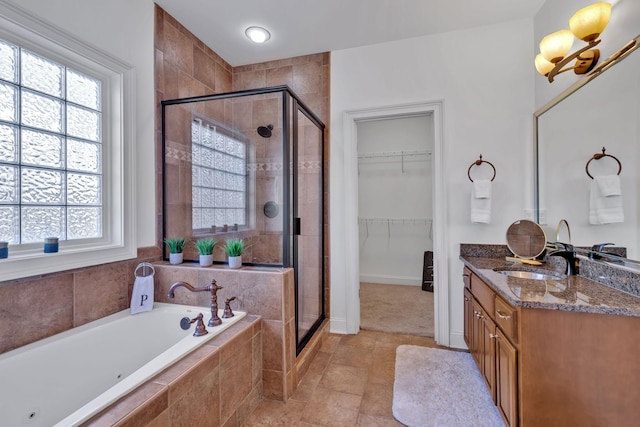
{"points": [[257, 34]]}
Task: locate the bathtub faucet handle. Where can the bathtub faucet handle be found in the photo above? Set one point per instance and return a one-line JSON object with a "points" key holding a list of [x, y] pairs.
{"points": [[215, 319], [200, 328], [227, 308]]}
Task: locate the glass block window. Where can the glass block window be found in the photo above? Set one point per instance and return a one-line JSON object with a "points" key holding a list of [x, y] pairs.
{"points": [[219, 179], [50, 149]]}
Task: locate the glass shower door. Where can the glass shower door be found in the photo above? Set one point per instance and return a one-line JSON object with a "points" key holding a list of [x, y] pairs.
{"points": [[308, 225]]}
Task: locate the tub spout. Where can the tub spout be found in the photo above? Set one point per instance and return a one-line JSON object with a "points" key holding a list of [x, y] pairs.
{"points": [[213, 288]]}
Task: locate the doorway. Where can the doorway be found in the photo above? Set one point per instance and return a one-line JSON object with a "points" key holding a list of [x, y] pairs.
{"points": [[395, 212], [347, 268]]}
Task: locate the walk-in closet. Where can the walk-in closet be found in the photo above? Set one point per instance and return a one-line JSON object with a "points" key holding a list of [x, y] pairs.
{"points": [[395, 205]]}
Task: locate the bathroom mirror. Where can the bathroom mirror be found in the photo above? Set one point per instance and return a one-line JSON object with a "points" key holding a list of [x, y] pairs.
{"points": [[526, 239], [601, 110]]}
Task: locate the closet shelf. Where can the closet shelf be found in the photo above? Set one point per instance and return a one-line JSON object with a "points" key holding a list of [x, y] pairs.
{"points": [[394, 220]]}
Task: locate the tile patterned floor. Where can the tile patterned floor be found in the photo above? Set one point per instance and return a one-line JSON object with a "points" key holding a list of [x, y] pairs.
{"points": [[349, 383]]}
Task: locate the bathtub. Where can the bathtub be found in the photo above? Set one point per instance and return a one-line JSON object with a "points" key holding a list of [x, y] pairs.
{"points": [[65, 379]]}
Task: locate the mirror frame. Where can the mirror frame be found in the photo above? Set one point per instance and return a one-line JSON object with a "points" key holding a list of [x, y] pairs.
{"points": [[617, 56]]}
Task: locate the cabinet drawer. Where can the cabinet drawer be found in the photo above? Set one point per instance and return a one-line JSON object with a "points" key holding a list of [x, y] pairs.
{"points": [[506, 318], [483, 294], [466, 278]]}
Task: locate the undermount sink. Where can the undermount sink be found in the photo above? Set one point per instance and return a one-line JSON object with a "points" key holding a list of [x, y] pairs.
{"points": [[529, 274]]}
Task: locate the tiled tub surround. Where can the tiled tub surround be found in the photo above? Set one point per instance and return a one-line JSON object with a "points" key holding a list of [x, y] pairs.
{"points": [[267, 292], [38, 307], [68, 378], [219, 384]]}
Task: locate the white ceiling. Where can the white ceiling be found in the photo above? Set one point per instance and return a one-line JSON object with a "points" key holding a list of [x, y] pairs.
{"points": [[302, 27]]}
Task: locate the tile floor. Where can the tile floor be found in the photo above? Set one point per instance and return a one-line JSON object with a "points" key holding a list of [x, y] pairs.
{"points": [[349, 383]]}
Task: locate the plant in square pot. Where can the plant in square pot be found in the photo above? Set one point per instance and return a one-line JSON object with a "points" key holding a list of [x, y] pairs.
{"points": [[234, 248], [205, 249], [176, 246]]}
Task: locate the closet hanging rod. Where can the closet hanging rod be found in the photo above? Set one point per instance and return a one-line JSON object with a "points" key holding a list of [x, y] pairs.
{"points": [[395, 154]]}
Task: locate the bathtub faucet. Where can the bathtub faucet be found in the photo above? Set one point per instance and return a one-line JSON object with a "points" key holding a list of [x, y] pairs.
{"points": [[213, 288]]}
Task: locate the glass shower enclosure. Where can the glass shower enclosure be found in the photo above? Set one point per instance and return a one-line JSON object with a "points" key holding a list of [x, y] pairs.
{"points": [[250, 165]]}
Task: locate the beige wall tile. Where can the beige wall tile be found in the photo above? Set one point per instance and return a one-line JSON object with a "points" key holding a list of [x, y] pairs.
{"points": [[35, 309], [272, 345], [144, 403], [235, 380], [183, 375], [100, 291]]}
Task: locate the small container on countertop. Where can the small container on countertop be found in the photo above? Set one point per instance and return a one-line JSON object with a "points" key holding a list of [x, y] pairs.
{"points": [[4, 250]]}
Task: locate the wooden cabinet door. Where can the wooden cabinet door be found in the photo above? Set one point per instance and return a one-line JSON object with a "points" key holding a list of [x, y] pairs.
{"points": [[488, 352], [476, 332], [468, 319], [506, 380]]}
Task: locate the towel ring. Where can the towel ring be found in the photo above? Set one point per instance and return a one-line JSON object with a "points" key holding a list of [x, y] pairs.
{"points": [[598, 156], [478, 163], [145, 266]]}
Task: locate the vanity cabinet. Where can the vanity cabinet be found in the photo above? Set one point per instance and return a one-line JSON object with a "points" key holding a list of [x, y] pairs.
{"points": [[551, 367], [489, 324]]}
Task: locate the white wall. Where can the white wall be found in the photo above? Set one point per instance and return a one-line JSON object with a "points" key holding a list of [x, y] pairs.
{"points": [[555, 15], [484, 75], [400, 190], [124, 29]]}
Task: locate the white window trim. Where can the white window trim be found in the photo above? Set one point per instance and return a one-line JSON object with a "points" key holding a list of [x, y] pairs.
{"points": [[119, 240]]}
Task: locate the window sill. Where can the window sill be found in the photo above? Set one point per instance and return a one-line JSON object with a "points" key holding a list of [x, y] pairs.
{"points": [[29, 264]]}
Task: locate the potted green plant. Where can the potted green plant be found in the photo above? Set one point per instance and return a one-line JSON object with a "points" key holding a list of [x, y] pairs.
{"points": [[234, 248], [176, 246], [205, 249]]}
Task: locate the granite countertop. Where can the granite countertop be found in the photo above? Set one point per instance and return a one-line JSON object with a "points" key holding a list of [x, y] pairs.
{"points": [[568, 293]]}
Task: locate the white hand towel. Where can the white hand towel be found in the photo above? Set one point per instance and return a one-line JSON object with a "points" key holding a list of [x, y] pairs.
{"points": [[604, 209], [142, 295], [482, 189], [609, 185], [481, 202]]}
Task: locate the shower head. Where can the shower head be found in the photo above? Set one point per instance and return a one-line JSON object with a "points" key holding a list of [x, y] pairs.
{"points": [[265, 131]]}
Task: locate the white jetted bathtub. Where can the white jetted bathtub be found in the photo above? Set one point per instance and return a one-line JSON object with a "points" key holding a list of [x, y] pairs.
{"points": [[65, 379]]}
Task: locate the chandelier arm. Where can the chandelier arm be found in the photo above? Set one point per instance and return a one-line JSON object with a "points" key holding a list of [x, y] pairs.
{"points": [[558, 68]]}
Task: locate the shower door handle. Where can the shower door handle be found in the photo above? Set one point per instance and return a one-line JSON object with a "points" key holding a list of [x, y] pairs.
{"points": [[296, 226]]}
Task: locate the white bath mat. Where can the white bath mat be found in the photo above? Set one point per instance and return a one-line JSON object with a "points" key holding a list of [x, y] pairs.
{"points": [[436, 387]]}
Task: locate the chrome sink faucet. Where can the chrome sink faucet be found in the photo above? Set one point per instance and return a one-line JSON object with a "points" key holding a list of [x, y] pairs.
{"points": [[213, 288]]}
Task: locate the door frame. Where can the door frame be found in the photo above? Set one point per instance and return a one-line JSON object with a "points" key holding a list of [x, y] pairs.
{"points": [[352, 249]]}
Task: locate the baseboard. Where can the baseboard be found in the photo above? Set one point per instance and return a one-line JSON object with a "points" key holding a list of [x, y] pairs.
{"points": [[338, 326], [391, 280], [456, 340]]}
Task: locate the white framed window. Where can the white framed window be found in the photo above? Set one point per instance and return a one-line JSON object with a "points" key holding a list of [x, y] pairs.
{"points": [[218, 177], [66, 152]]}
